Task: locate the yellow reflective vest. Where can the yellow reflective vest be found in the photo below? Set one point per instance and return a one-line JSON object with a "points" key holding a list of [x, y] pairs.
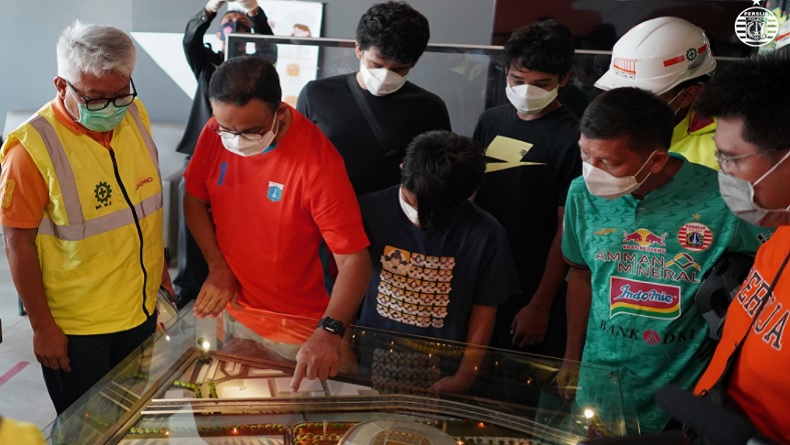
{"points": [[100, 243], [696, 146]]}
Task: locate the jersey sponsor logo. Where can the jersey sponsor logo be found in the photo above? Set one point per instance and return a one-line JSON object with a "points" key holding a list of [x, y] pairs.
{"points": [[684, 261], [275, 191], [143, 182], [772, 320], [643, 299], [649, 336], [652, 266], [414, 288], [695, 236], [605, 231], [644, 240]]}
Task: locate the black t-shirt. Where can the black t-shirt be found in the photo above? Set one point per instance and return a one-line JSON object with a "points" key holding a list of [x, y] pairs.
{"points": [[403, 115], [524, 199], [425, 282]]}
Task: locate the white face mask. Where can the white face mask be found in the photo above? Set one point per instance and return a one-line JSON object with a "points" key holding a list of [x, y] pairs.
{"points": [[675, 111], [244, 147], [739, 197], [380, 81], [602, 184], [410, 212], [529, 99]]}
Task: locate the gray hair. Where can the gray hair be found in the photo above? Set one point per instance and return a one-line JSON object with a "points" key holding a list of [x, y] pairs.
{"points": [[94, 49]]}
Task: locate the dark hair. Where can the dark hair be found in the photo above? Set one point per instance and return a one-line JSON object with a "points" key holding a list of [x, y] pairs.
{"points": [[641, 116], [241, 79], [546, 45], [442, 170], [396, 30], [756, 91]]}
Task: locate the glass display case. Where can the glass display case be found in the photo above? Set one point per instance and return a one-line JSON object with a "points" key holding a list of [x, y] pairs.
{"points": [[207, 381]]}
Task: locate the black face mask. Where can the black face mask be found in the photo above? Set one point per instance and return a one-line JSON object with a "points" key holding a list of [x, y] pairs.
{"points": [[231, 27]]}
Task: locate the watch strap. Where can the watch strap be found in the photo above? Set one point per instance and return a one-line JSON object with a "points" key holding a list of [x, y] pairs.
{"points": [[332, 325]]}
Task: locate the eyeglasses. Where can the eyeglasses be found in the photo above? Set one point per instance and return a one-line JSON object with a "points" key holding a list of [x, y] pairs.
{"points": [[103, 102], [726, 159], [248, 135]]}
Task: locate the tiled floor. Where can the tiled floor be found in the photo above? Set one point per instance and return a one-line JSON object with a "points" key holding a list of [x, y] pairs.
{"points": [[23, 395]]}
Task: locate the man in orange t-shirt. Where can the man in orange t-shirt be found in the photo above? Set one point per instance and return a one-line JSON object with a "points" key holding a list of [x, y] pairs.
{"points": [[265, 188], [753, 147]]}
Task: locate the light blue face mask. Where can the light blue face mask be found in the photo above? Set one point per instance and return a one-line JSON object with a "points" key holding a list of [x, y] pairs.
{"points": [[101, 120]]}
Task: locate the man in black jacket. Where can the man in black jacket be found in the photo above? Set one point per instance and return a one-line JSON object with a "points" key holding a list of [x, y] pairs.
{"points": [[203, 61]]}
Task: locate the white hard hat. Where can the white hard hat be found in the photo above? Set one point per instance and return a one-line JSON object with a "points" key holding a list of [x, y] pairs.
{"points": [[783, 36], [658, 54]]}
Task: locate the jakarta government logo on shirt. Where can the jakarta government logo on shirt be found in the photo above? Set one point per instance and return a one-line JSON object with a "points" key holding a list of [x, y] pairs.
{"points": [[275, 191], [756, 26]]}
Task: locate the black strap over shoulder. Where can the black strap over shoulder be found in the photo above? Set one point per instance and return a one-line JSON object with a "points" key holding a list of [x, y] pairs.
{"points": [[374, 124]]}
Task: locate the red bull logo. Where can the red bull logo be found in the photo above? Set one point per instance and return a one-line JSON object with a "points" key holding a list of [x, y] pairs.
{"points": [[645, 240], [643, 299]]}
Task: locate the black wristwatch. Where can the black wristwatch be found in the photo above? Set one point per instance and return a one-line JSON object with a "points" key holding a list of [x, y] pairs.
{"points": [[332, 325]]}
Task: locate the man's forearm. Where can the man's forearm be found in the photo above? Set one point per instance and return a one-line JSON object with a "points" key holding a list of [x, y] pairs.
{"points": [[579, 300], [481, 328], [201, 227], [353, 277], [553, 275], [23, 261], [260, 23]]}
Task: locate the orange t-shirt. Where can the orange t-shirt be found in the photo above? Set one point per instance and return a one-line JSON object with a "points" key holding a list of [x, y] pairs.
{"points": [[273, 211], [24, 193], [760, 383]]}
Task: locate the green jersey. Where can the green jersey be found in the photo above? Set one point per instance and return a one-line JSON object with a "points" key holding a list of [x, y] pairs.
{"points": [[647, 258]]}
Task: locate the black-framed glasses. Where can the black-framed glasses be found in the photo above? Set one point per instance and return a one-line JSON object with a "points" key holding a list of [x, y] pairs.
{"points": [[103, 102], [248, 135]]}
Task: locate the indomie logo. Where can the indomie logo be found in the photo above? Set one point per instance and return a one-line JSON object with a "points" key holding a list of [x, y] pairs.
{"points": [[643, 299], [643, 239]]}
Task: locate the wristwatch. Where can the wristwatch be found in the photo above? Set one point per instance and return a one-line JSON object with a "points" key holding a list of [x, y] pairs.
{"points": [[332, 325]]}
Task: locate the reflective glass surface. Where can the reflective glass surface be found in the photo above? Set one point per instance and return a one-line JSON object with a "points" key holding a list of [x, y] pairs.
{"points": [[213, 380]]}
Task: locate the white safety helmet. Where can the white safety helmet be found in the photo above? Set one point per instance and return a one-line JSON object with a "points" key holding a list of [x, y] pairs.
{"points": [[783, 36], [658, 54]]}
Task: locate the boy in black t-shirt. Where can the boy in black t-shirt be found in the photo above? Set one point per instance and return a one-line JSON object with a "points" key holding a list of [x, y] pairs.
{"points": [[441, 265], [533, 154]]}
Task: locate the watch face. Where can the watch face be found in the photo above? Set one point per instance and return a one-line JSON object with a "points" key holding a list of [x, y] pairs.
{"points": [[332, 325]]}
